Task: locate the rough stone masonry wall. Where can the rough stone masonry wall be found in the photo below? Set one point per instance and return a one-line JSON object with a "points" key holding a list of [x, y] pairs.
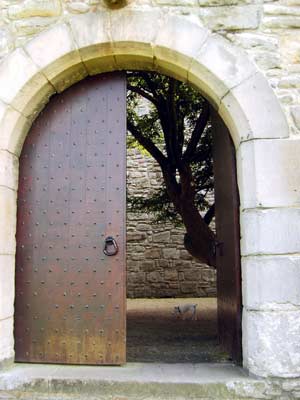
{"points": [[268, 153], [268, 30], [157, 263]]}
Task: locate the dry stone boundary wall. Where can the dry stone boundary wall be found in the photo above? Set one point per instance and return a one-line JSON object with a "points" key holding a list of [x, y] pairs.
{"points": [[157, 263]]}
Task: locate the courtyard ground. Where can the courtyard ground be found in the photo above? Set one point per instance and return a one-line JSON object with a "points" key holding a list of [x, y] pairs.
{"points": [[154, 334]]}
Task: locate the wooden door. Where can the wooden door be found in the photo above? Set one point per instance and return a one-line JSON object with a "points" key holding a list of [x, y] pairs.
{"points": [[70, 296], [228, 235]]}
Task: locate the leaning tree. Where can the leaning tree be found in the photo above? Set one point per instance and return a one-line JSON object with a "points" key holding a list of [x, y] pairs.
{"points": [[175, 130]]}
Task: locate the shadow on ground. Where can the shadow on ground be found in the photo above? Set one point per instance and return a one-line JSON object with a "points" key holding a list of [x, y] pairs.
{"points": [[154, 334]]}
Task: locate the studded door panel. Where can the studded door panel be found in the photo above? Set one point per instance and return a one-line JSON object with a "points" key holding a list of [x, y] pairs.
{"points": [[70, 296]]}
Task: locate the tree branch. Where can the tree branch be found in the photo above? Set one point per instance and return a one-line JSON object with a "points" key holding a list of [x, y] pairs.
{"points": [[165, 124], [172, 117], [197, 132], [147, 144], [143, 93], [150, 83], [209, 214], [200, 156], [180, 131]]}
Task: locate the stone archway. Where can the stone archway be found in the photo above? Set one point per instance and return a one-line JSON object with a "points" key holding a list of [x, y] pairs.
{"points": [[174, 45]]}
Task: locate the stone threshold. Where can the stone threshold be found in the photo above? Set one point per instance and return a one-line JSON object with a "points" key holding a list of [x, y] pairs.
{"points": [[133, 381]]}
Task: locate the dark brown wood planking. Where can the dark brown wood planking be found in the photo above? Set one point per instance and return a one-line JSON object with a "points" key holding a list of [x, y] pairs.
{"points": [[228, 235], [70, 297]]}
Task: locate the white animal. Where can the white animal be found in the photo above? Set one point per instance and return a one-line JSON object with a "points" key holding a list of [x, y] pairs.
{"points": [[186, 311]]}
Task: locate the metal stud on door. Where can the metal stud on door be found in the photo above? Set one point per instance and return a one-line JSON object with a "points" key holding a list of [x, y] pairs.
{"points": [[70, 295]]}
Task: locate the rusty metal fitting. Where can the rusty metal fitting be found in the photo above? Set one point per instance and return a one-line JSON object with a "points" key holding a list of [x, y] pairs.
{"points": [[116, 3]]}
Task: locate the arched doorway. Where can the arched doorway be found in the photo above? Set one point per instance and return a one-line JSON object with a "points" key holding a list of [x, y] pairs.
{"points": [[220, 71], [70, 260]]}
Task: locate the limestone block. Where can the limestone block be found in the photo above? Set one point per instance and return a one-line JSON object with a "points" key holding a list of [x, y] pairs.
{"points": [[239, 110], [135, 236], [193, 275], [35, 8], [137, 249], [266, 60], [57, 40], [8, 211], [163, 263], [268, 173], [286, 96], [6, 41], [177, 44], [78, 7], [171, 275], [280, 9], [133, 34], [154, 276], [7, 339], [254, 40], [38, 101], [7, 286], [148, 266], [218, 67], [161, 237], [264, 48], [189, 287], [295, 112], [177, 2], [184, 255], [290, 48], [282, 22], [32, 26], [170, 253], [14, 128], [61, 63], [225, 2], [291, 2], [144, 227], [91, 34], [152, 253], [179, 238], [270, 231], [231, 17], [90, 29], [271, 343], [9, 170], [21, 84], [137, 257], [173, 286], [137, 277], [289, 82], [271, 283]]}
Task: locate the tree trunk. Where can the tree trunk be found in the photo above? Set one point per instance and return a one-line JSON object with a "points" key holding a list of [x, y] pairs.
{"points": [[199, 239]]}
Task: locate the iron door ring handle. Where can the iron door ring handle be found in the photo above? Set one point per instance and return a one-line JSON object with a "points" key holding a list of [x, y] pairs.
{"points": [[110, 247]]}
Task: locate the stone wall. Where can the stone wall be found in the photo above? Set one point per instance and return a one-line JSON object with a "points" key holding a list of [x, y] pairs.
{"points": [[267, 30], [157, 263], [49, 45]]}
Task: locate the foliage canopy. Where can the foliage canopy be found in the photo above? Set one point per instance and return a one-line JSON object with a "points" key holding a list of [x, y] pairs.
{"points": [[170, 120]]}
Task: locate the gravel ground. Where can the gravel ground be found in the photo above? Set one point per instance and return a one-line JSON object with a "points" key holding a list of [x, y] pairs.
{"points": [[154, 334]]}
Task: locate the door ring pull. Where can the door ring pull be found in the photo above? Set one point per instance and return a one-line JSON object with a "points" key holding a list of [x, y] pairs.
{"points": [[110, 247]]}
